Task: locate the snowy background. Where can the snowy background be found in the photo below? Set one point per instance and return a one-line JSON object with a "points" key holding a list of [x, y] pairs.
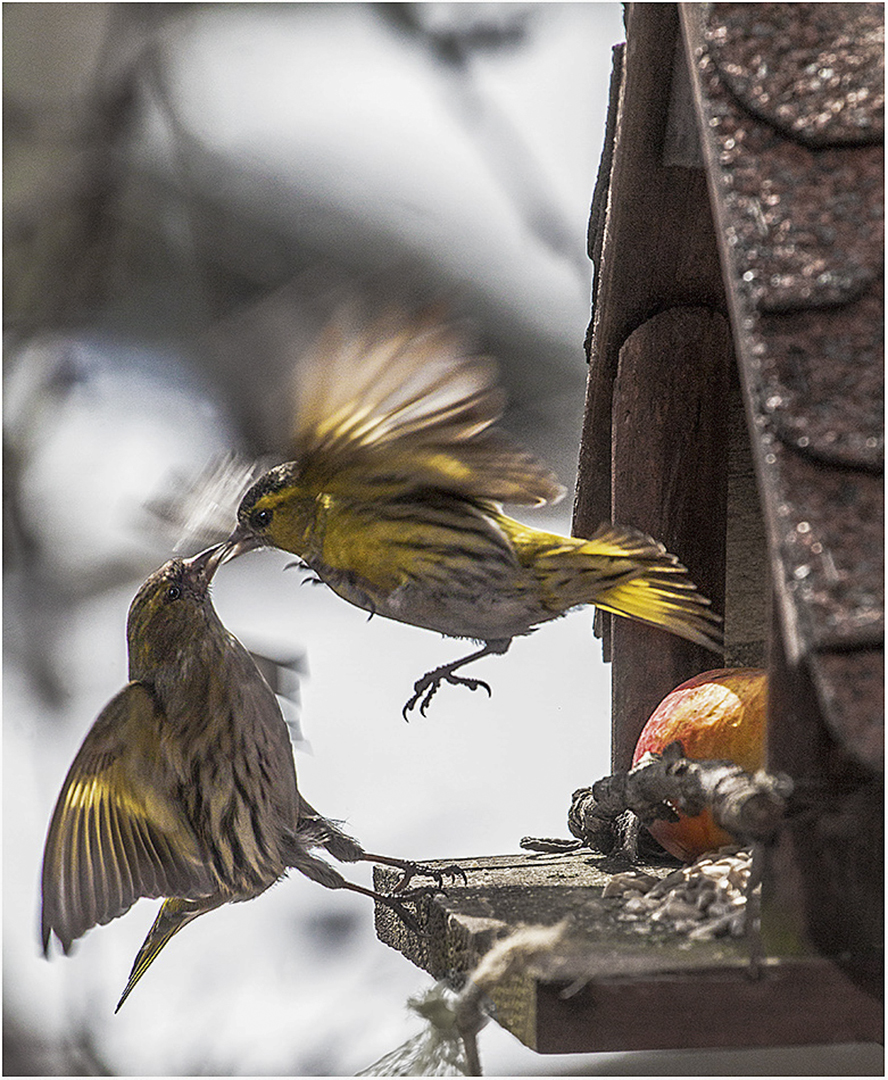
{"points": [[454, 145]]}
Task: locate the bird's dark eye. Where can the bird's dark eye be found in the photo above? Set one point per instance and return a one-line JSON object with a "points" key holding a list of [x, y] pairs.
{"points": [[174, 592], [260, 519]]}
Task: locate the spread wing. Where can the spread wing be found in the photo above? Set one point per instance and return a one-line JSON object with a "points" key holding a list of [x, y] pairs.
{"points": [[403, 404], [116, 833]]}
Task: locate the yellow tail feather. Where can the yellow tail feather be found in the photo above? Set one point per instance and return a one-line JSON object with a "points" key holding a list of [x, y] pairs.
{"points": [[677, 607], [627, 573]]}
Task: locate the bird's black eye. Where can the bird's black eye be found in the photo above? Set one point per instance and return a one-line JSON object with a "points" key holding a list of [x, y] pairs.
{"points": [[261, 519], [174, 592]]}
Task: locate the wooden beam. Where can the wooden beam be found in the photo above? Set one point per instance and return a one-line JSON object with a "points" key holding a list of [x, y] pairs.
{"points": [[609, 987]]}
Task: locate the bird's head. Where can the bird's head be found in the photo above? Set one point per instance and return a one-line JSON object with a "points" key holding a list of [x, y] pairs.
{"points": [[171, 609], [271, 514]]}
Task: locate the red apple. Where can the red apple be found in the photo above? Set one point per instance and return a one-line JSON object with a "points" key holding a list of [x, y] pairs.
{"points": [[717, 716]]}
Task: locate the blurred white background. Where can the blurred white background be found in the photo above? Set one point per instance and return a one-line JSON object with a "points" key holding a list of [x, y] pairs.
{"points": [[168, 168]]}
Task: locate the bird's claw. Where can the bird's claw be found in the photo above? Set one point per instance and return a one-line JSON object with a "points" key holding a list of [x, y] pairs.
{"points": [[395, 902], [453, 871], [426, 688], [407, 917], [400, 893], [419, 688], [300, 564], [438, 875]]}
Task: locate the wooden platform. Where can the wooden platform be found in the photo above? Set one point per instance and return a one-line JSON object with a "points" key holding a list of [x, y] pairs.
{"points": [[619, 985]]}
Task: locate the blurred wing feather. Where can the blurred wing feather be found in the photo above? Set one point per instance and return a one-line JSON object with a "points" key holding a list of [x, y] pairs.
{"points": [[116, 835], [403, 405]]}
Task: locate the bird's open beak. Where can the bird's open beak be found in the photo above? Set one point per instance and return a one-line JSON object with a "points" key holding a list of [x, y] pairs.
{"points": [[240, 542], [208, 562]]}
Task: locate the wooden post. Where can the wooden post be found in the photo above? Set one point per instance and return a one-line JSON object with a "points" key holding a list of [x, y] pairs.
{"points": [[670, 427], [671, 260]]}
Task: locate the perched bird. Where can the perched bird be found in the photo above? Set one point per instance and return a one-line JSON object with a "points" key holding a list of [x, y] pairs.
{"points": [[185, 786], [393, 500]]}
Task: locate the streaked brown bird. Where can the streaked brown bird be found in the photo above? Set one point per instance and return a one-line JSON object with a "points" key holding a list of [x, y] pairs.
{"points": [[185, 786], [393, 500]]}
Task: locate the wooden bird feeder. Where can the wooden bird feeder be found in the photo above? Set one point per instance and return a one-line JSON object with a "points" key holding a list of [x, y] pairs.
{"points": [[734, 411]]}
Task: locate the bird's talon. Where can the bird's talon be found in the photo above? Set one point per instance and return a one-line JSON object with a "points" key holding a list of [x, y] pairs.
{"points": [[406, 917], [472, 684], [411, 870], [427, 700], [426, 688], [408, 872], [420, 688], [456, 871]]}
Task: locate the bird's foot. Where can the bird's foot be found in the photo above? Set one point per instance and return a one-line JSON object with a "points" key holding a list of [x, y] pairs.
{"points": [[410, 870], [426, 688], [396, 904], [299, 564]]}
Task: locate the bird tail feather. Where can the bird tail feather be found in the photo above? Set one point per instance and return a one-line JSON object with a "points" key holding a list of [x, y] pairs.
{"points": [[672, 605], [173, 915], [628, 573]]}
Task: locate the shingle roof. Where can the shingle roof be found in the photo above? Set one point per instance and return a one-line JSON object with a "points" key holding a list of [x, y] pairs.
{"points": [[792, 103]]}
